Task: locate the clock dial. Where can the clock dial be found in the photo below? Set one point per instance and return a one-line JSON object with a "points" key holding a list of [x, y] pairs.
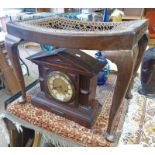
{"points": [[60, 86]]}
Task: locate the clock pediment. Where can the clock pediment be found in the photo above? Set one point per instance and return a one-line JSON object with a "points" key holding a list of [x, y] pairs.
{"points": [[69, 60]]}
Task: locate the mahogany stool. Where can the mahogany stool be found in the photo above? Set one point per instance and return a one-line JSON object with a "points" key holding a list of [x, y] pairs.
{"points": [[123, 43]]}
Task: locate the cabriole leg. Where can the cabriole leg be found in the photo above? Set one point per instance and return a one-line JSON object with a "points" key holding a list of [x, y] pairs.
{"points": [[125, 64], [12, 48], [142, 44]]}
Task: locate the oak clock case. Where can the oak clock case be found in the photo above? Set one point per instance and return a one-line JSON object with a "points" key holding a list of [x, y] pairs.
{"points": [[68, 82]]}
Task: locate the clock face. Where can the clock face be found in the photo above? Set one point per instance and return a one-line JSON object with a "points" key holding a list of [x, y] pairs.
{"points": [[60, 86]]}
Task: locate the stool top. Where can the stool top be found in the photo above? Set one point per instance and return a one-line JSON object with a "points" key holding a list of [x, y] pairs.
{"points": [[64, 29], [66, 25]]}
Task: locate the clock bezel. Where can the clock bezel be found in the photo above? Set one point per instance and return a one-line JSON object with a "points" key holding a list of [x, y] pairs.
{"points": [[68, 77]]}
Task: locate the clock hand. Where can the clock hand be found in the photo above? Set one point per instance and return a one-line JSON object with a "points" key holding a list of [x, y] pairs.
{"points": [[57, 87]]}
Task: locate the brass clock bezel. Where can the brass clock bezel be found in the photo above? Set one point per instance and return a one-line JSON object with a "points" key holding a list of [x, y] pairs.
{"points": [[68, 78]]}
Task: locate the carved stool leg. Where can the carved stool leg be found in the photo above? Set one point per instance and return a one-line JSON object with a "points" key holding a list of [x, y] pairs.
{"points": [[125, 64], [12, 48], [142, 44]]}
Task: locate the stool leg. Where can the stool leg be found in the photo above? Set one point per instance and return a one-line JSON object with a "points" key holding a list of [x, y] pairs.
{"points": [[12, 48], [125, 64], [142, 44]]}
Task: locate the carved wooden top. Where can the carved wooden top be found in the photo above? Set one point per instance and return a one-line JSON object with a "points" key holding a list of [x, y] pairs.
{"points": [[63, 32]]}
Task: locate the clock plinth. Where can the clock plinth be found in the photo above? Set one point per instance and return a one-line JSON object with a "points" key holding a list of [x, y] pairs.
{"points": [[84, 115]]}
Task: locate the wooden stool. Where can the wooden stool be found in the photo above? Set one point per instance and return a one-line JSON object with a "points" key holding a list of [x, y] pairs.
{"points": [[122, 43]]}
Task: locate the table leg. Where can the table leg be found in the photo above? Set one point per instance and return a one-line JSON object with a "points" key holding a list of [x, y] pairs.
{"points": [[125, 64], [142, 44], [12, 48]]}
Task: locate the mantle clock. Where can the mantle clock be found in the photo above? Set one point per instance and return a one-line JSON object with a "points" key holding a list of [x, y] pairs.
{"points": [[68, 81]]}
